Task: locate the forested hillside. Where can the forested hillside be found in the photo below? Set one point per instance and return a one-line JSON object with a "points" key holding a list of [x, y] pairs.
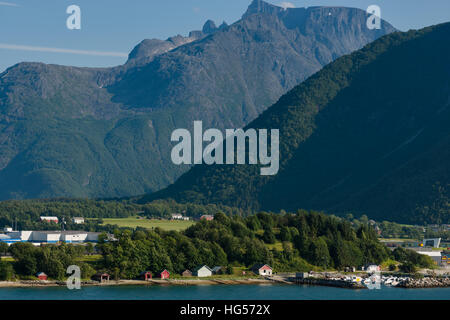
{"points": [[370, 133]]}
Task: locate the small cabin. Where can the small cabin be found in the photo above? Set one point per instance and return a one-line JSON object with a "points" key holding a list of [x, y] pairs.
{"points": [[101, 277], [186, 273], [164, 274], [262, 269], [202, 271], [372, 268], [350, 269], [42, 276], [78, 220], [219, 270], [146, 275]]}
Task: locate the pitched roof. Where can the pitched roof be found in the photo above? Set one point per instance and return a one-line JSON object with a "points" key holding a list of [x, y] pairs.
{"points": [[198, 268], [259, 266], [165, 270], [217, 268], [144, 272]]}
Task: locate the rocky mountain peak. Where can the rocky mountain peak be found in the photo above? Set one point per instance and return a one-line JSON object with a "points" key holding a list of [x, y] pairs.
{"points": [[259, 6], [209, 27]]}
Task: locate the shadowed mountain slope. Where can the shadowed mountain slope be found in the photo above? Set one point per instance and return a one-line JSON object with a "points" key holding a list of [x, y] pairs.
{"points": [[370, 133]]}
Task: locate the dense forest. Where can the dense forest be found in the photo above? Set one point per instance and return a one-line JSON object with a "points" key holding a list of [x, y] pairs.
{"points": [[306, 241]]}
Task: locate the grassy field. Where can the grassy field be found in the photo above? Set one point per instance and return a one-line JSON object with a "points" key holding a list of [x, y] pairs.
{"points": [[133, 222], [7, 259], [277, 246], [91, 258]]}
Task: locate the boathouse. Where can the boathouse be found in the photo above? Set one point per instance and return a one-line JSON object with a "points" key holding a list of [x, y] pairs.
{"points": [[186, 273], [101, 277], [146, 275], [262, 269], [203, 271], [164, 274], [42, 276]]}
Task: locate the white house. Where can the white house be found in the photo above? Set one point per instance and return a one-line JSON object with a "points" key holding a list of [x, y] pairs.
{"points": [[262, 269], [78, 220], [372, 268], [177, 216], [202, 271]]}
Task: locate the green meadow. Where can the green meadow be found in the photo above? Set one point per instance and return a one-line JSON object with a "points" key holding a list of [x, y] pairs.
{"points": [[133, 222]]}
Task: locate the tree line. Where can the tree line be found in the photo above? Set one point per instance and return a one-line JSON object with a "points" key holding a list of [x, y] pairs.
{"points": [[289, 242]]}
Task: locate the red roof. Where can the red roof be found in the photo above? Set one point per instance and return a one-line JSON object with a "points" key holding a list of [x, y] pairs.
{"points": [[265, 267], [261, 267], [164, 274], [41, 276]]}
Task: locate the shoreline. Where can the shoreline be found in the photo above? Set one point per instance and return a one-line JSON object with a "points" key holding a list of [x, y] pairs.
{"points": [[171, 282], [410, 284]]}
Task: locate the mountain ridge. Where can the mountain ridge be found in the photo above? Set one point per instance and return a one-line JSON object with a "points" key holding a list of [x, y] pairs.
{"points": [[105, 132]]}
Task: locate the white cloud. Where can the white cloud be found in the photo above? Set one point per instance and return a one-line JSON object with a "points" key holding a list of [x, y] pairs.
{"points": [[287, 5], [9, 4], [61, 50]]}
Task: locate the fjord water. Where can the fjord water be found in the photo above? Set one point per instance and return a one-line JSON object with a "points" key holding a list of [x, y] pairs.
{"points": [[221, 292]]}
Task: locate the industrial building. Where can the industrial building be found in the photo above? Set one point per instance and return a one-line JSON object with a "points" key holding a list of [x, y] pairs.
{"points": [[38, 237], [434, 243]]}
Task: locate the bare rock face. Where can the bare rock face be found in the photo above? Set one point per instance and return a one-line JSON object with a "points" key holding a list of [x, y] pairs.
{"points": [[209, 27], [150, 48]]}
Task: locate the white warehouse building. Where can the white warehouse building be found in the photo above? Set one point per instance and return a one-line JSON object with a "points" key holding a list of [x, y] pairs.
{"points": [[49, 236]]}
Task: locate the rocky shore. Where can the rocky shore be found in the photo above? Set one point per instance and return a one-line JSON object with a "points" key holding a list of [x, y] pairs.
{"points": [[424, 283], [330, 283]]}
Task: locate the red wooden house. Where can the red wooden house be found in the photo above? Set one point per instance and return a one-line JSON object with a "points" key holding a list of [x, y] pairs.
{"points": [[146, 275], [41, 276], [164, 274]]}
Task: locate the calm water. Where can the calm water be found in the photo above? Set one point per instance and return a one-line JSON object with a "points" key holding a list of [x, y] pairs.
{"points": [[221, 292]]}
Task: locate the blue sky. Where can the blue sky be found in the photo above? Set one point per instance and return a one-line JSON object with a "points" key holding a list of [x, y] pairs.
{"points": [[116, 26]]}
